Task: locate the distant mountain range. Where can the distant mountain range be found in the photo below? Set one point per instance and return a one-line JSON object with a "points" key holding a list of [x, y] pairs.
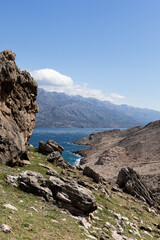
{"points": [[58, 110]]}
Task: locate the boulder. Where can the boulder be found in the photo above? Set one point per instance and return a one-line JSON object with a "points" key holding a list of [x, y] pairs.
{"points": [[89, 172], [52, 172], [44, 148], [18, 92], [33, 182], [57, 160], [54, 157], [131, 182], [65, 192], [55, 146], [49, 147], [69, 194]]}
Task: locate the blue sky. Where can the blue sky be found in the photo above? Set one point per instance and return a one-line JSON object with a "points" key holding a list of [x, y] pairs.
{"points": [[109, 49]]}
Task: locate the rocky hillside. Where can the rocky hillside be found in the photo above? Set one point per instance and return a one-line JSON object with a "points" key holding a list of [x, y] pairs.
{"points": [[36, 203], [138, 148], [18, 92], [75, 111], [50, 199]]}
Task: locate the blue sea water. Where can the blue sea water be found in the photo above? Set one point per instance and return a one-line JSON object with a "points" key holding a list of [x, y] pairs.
{"points": [[65, 137]]}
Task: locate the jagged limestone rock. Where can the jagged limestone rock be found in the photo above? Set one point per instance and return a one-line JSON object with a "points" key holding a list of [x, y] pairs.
{"points": [[131, 182], [18, 92], [65, 192]]}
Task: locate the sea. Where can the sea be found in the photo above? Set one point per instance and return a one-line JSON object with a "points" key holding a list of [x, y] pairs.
{"points": [[64, 137]]}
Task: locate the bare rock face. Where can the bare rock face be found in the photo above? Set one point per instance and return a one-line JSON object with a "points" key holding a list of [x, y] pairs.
{"points": [[152, 181], [18, 92], [132, 183]]}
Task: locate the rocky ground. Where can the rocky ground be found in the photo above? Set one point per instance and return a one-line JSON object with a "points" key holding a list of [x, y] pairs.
{"points": [[24, 215], [138, 148]]}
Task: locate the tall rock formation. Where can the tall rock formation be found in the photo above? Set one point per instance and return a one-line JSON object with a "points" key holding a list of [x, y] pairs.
{"points": [[18, 92]]}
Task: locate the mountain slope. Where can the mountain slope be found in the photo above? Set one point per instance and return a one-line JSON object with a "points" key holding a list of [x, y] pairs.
{"points": [[61, 110]]}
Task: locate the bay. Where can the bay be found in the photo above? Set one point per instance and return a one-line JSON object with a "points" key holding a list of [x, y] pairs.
{"points": [[64, 137]]}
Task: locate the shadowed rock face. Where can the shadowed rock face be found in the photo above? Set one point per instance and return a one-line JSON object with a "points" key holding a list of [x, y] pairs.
{"points": [[18, 92], [132, 183]]}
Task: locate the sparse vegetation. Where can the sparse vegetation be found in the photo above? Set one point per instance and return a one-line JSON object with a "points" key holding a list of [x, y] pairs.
{"points": [[38, 219]]}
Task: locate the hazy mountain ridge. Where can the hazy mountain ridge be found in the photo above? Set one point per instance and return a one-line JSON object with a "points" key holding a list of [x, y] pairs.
{"points": [[61, 110]]}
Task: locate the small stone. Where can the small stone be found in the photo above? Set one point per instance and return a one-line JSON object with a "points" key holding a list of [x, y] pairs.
{"points": [[148, 229], [118, 216], [100, 208], [25, 163], [52, 172], [54, 221], [84, 223], [135, 218], [44, 166], [122, 224], [34, 209], [94, 217], [148, 234], [125, 218], [91, 237], [120, 230], [153, 211], [10, 207], [5, 228], [31, 214], [96, 228], [107, 225]]}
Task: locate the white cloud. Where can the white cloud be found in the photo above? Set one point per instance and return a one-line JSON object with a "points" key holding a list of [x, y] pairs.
{"points": [[51, 77], [51, 80], [115, 95]]}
